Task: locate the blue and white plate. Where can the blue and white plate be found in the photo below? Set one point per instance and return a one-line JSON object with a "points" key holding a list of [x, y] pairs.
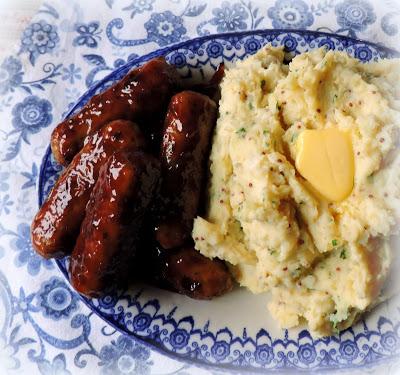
{"points": [[235, 332]]}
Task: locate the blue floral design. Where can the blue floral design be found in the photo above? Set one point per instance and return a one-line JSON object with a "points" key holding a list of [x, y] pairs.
{"points": [[56, 299], [5, 204], [23, 304], [56, 367], [141, 321], [4, 186], [355, 15], [220, 350], [290, 14], [26, 254], [119, 62], [306, 353], [349, 350], [89, 34], [31, 115], [125, 356], [39, 38], [179, 338], [178, 59], [71, 73], [389, 341], [290, 43], [139, 6], [215, 50], [363, 53], [165, 28], [252, 45], [264, 354], [10, 74], [31, 176], [229, 17], [108, 301]]}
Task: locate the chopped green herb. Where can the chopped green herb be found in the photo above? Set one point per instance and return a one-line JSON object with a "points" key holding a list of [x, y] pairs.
{"points": [[334, 242], [335, 328], [343, 254], [241, 132], [265, 132], [335, 97], [250, 105], [294, 137], [272, 251]]}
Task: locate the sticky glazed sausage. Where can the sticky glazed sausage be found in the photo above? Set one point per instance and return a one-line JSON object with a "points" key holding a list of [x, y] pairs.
{"points": [[56, 225], [143, 94], [190, 273], [185, 147], [109, 234]]}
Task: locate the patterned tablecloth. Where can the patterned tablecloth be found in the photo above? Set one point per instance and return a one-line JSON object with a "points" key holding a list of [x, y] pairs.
{"points": [[67, 46]]}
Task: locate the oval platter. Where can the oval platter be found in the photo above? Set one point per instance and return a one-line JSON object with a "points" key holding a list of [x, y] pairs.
{"points": [[235, 332]]}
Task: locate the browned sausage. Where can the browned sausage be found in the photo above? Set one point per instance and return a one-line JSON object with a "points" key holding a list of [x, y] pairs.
{"points": [[190, 273], [109, 234], [186, 139], [56, 225], [142, 95]]}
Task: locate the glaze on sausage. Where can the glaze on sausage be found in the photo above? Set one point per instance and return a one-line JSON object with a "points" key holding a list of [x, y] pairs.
{"points": [[56, 225], [109, 234], [141, 96], [185, 147], [188, 272]]}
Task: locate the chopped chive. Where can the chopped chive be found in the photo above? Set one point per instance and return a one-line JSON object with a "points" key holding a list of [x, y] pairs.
{"points": [[343, 254], [334, 242], [241, 132]]}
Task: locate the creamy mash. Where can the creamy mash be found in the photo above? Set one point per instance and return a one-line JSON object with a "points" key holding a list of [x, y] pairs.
{"points": [[324, 262]]}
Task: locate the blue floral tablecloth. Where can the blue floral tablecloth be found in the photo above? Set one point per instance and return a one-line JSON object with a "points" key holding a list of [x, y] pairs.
{"points": [[68, 46]]}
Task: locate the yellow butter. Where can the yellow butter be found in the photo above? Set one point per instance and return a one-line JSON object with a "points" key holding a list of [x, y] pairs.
{"points": [[325, 159]]}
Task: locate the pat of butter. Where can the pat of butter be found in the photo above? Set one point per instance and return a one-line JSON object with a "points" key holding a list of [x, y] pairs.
{"points": [[325, 159]]}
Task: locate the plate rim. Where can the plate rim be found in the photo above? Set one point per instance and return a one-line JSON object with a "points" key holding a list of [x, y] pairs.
{"points": [[157, 347]]}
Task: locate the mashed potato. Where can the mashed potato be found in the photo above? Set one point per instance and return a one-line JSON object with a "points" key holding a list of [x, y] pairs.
{"points": [[324, 262]]}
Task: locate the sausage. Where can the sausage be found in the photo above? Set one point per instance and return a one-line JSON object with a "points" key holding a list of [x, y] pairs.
{"points": [[190, 273], [143, 94], [56, 225], [184, 152], [106, 246]]}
